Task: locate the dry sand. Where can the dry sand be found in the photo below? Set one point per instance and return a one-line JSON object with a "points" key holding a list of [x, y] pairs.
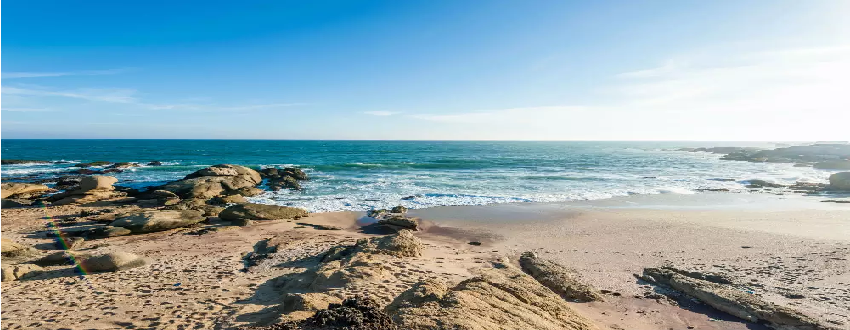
{"points": [[198, 281]]}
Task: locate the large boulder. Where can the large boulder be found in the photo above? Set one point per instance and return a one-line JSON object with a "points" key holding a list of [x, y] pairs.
{"points": [[214, 181], [151, 221], [112, 262], [730, 299], [91, 189], [559, 279], [11, 249], [251, 211], [499, 298], [402, 244], [97, 182], [19, 271], [840, 181], [14, 189], [284, 178]]}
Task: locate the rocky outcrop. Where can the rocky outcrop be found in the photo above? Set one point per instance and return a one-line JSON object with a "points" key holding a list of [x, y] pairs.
{"points": [[559, 279], [251, 211], [833, 165], [22, 190], [402, 244], [214, 181], [794, 154], [91, 189], [358, 313], [112, 262], [498, 298], [839, 181], [91, 164], [152, 221], [105, 232], [756, 183], [123, 165], [284, 178], [21, 161], [732, 300], [154, 163], [19, 271], [11, 249]]}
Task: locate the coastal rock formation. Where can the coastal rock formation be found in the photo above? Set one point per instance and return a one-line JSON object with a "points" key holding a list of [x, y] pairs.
{"points": [[756, 183], [559, 279], [22, 190], [794, 154], [833, 165], [91, 189], [112, 262], [358, 313], [498, 298], [122, 165], [284, 178], [11, 249], [394, 219], [251, 211], [729, 299], [214, 181], [19, 271], [840, 181], [310, 301], [402, 244], [91, 164], [151, 221], [105, 232], [21, 161]]}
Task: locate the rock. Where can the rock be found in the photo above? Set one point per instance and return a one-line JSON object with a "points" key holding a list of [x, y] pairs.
{"points": [[475, 243], [86, 171], [98, 163], [214, 181], [358, 313], [12, 189], [399, 222], [61, 258], [152, 221], [21, 161], [242, 222], [230, 199], [756, 183], [399, 209], [401, 244], [307, 301], [559, 279], [106, 231], [822, 152], [840, 181], [68, 243], [11, 249], [320, 227], [19, 271], [97, 182], [253, 211], [123, 165], [833, 165], [732, 300], [284, 182], [155, 163], [409, 198], [295, 173], [377, 214], [111, 170], [503, 298], [111, 262], [249, 191]]}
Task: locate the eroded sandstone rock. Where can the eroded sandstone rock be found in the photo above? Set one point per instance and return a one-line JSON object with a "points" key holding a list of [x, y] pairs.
{"points": [[559, 279], [152, 221], [251, 211]]}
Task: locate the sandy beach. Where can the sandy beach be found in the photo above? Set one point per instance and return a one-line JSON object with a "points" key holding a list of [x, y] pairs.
{"points": [[795, 255]]}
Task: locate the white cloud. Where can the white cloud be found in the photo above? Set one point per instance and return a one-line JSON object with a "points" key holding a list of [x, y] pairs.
{"points": [[15, 75], [381, 113], [112, 95], [785, 94]]}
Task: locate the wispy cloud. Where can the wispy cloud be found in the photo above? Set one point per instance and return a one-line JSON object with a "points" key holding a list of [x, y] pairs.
{"points": [[16, 75], [112, 95], [208, 107], [381, 113], [26, 109]]}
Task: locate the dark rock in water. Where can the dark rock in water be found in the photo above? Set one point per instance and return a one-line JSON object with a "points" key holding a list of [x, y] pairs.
{"points": [[251, 211], [839, 181], [476, 243], [296, 173], [558, 278], [22, 161], [794, 154], [155, 163], [284, 178], [113, 170], [732, 300], [86, 171], [123, 165], [98, 163], [762, 184], [284, 182], [833, 165], [722, 179], [412, 197]]}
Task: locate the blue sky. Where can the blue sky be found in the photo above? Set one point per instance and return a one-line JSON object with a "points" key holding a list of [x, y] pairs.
{"points": [[445, 69]]}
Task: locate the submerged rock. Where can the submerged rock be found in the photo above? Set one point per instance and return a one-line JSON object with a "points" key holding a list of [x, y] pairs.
{"points": [[558, 278], [152, 221], [729, 299], [22, 161], [90, 164], [251, 211]]}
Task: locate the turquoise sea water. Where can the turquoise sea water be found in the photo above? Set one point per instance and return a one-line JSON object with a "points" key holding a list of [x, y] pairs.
{"points": [[360, 175]]}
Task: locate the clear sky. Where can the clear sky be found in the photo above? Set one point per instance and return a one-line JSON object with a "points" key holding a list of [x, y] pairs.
{"points": [[429, 69]]}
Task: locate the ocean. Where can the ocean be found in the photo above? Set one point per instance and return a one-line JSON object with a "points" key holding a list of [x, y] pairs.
{"points": [[362, 175]]}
